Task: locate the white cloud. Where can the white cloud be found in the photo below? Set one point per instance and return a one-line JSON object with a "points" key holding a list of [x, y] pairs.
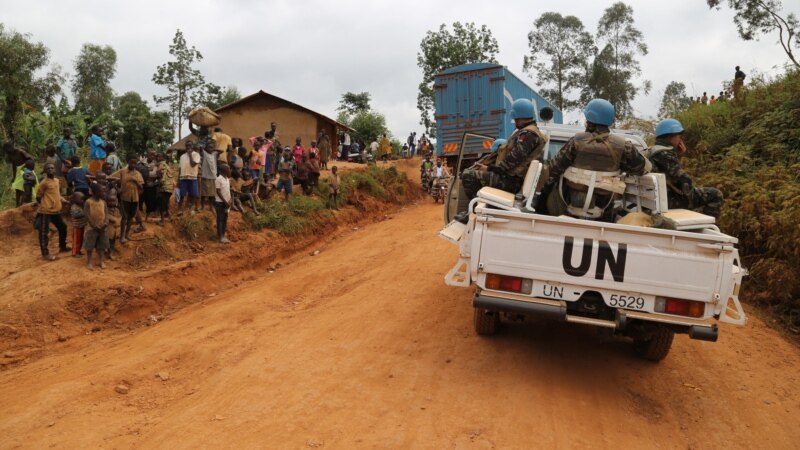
{"points": [[312, 51]]}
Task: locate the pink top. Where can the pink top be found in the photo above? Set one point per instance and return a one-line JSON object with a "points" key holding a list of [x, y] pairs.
{"points": [[262, 153], [298, 151]]}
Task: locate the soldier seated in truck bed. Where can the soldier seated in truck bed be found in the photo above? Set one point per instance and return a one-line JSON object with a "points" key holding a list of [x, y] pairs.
{"points": [[585, 175]]}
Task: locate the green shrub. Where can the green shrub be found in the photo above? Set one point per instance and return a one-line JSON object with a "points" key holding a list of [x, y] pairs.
{"points": [[749, 150]]}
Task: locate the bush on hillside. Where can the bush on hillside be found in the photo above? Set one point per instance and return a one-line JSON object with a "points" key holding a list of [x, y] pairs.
{"points": [[750, 150]]}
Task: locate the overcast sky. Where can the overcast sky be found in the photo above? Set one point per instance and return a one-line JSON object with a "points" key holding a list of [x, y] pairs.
{"points": [[312, 51]]}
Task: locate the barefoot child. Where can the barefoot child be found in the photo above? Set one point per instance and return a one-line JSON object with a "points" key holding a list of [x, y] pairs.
{"points": [[222, 201], [333, 182], [78, 222], [114, 223], [49, 199], [97, 216]]}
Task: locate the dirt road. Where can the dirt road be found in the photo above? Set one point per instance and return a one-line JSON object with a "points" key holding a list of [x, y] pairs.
{"points": [[363, 345]]}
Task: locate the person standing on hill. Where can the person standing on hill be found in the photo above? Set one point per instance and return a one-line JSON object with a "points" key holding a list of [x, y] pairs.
{"points": [[324, 149], [65, 149], [97, 150], [704, 99], [222, 201], [223, 144], [131, 186], [665, 156], [385, 148], [412, 143], [189, 169], [49, 199], [96, 237], [208, 176], [738, 83]]}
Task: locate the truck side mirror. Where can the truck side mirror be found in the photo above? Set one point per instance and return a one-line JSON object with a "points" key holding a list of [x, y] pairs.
{"points": [[546, 114]]}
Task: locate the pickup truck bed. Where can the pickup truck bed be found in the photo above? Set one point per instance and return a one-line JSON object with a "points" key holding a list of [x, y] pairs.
{"points": [[645, 283]]}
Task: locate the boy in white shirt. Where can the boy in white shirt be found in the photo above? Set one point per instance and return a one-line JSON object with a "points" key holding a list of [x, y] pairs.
{"points": [[222, 201]]}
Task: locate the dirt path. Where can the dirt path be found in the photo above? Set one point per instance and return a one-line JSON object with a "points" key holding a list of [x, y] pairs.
{"points": [[363, 345]]}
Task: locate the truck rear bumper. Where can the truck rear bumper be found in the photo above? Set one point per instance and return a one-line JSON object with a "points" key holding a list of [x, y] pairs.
{"points": [[557, 310]]}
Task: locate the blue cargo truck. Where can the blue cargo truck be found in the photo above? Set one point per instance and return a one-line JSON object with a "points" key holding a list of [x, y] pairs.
{"points": [[476, 98]]}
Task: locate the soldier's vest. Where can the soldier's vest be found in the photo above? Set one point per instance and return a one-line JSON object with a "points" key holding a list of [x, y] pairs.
{"points": [[521, 169], [595, 172]]}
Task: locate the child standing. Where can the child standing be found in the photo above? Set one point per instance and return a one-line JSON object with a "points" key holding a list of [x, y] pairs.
{"points": [[222, 201], [333, 182], [285, 169], [76, 177], [313, 171], [49, 199], [96, 212], [29, 181], [166, 173], [78, 222], [114, 223]]}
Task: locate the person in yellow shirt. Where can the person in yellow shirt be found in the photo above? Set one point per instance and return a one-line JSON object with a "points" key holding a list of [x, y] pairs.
{"points": [[223, 145], [385, 148], [50, 201]]}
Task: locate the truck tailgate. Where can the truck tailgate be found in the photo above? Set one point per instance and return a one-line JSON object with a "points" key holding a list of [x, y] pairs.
{"points": [[566, 251]]}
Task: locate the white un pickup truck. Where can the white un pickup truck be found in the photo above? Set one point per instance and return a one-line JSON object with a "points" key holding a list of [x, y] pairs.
{"points": [[643, 283]]}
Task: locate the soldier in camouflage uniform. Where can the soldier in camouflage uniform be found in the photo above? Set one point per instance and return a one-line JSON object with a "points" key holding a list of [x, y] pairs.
{"points": [[681, 193], [590, 165], [506, 168]]}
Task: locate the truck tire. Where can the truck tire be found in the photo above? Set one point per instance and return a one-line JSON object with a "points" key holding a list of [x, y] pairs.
{"points": [[486, 322], [657, 346]]}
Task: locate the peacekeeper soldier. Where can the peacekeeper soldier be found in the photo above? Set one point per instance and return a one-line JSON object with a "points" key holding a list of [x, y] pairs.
{"points": [[681, 191], [585, 174], [505, 169]]}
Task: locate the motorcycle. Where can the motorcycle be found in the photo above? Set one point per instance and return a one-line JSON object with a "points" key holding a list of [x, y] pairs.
{"points": [[439, 188], [427, 178]]}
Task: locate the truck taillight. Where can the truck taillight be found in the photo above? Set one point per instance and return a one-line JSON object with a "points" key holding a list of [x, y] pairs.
{"points": [[676, 306], [507, 283]]}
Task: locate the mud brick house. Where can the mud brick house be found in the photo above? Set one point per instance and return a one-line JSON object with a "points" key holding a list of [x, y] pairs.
{"points": [[252, 115]]}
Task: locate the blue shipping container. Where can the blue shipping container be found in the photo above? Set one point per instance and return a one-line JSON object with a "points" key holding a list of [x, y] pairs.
{"points": [[477, 98]]}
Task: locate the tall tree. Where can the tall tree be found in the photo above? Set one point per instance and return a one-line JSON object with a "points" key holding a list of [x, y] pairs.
{"points": [[442, 49], [558, 46], [20, 82], [214, 96], [180, 79], [353, 103], [137, 127], [94, 67], [674, 100], [616, 66], [756, 17]]}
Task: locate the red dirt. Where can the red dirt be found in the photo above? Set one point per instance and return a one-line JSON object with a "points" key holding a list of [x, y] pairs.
{"points": [[362, 345]]}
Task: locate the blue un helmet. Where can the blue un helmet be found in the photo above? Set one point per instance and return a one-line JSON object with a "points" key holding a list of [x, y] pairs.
{"points": [[668, 126], [522, 108], [599, 112], [496, 144]]}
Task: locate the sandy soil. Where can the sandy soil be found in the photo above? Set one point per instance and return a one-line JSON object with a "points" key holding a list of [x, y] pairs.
{"points": [[362, 345]]}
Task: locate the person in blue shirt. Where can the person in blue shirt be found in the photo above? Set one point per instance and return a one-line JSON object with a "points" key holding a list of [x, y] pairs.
{"points": [[97, 149], [76, 177], [65, 149]]}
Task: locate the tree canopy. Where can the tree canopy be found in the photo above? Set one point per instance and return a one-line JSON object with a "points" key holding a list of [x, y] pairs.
{"points": [[756, 17], [94, 67], [443, 49], [22, 84], [615, 67], [559, 45], [353, 103], [674, 100], [181, 80]]}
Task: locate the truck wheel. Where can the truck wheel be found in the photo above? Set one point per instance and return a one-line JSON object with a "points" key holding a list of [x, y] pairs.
{"points": [[657, 346], [486, 322]]}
